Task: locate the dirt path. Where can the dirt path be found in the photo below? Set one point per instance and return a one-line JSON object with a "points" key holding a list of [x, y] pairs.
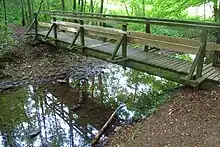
{"points": [[191, 118]]}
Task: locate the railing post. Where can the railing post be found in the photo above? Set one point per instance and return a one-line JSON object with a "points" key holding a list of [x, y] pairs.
{"points": [[201, 58], [124, 41], [82, 33], [55, 30], [104, 25], [147, 30], [216, 55]]}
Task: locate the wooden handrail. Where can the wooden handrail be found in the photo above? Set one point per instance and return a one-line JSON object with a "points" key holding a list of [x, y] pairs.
{"points": [[142, 20], [152, 40]]}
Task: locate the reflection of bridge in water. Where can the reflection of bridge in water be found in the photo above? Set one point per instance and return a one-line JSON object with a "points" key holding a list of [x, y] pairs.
{"points": [[147, 60], [84, 115]]}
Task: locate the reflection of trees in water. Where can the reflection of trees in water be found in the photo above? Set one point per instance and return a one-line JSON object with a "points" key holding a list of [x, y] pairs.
{"points": [[49, 108], [141, 92]]}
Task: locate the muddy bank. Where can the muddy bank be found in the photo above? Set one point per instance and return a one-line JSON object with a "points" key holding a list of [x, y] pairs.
{"points": [[37, 63], [191, 118]]}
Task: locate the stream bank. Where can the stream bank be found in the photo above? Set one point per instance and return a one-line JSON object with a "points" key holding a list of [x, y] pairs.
{"points": [[190, 118], [54, 97]]}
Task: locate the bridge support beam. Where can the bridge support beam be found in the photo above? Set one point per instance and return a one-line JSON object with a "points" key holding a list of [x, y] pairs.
{"points": [[199, 60]]}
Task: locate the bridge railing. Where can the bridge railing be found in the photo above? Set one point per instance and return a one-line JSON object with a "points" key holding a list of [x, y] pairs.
{"points": [[146, 38], [200, 48]]}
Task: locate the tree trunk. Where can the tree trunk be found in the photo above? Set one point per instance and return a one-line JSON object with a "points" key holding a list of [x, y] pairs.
{"points": [[74, 5], [63, 5], [29, 10], [79, 2], [84, 8], [48, 5], [22, 13], [101, 7], [32, 5], [82, 5], [5, 13], [91, 6], [143, 3]]}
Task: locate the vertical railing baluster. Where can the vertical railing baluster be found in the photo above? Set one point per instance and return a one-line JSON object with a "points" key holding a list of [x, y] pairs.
{"points": [[82, 34], [55, 30], [124, 42], [104, 25], [147, 30], [216, 54]]}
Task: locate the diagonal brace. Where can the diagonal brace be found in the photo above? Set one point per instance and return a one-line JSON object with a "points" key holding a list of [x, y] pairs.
{"points": [[117, 48], [48, 33], [75, 38], [198, 61]]}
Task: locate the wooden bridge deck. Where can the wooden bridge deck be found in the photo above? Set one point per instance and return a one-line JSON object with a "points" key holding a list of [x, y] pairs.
{"points": [[161, 64]]}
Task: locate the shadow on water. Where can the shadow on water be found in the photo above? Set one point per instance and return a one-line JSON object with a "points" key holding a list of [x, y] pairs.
{"points": [[71, 111]]}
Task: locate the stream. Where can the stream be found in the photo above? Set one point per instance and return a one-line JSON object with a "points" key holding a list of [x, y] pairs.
{"points": [[71, 111]]}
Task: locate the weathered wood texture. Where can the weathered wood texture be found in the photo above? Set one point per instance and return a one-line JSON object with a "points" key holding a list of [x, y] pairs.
{"points": [[160, 65], [191, 73], [180, 45]]}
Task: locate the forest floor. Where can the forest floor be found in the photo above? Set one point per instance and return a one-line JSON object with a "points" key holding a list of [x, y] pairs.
{"points": [[31, 60], [190, 118]]}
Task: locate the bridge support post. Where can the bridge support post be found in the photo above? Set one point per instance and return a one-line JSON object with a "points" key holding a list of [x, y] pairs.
{"points": [[216, 55], [147, 30], [216, 58], [124, 44], [199, 60], [55, 30], [124, 41], [82, 33]]}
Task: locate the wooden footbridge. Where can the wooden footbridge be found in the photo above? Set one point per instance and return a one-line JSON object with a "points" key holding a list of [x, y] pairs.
{"points": [[115, 45]]}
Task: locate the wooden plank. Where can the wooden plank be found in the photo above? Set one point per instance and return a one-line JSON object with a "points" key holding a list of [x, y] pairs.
{"points": [[145, 58], [214, 75], [177, 40], [104, 35], [92, 28], [98, 45], [161, 60], [209, 73], [182, 48], [207, 70], [217, 78], [99, 19], [207, 66], [183, 67]]}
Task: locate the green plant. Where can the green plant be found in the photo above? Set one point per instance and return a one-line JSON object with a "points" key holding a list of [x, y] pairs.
{"points": [[6, 41]]}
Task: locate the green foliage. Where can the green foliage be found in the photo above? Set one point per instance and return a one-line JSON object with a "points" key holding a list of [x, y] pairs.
{"points": [[6, 40], [13, 114]]}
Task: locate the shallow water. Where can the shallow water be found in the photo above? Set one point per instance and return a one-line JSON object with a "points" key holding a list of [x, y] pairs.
{"points": [[71, 113]]}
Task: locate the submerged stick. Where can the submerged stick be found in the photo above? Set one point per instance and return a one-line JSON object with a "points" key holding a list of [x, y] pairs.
{"points": [[98, 136]]}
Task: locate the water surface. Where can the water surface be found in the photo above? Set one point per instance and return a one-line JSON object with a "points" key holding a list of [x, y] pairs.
{"points": [[71, 113]]}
